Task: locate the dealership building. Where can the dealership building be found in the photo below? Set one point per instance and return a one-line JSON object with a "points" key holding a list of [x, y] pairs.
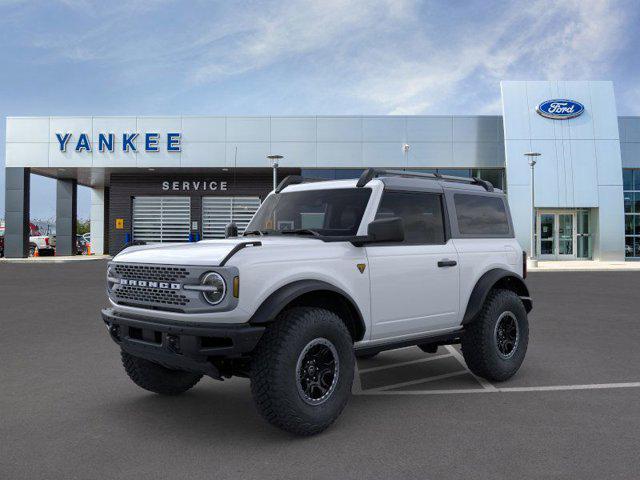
{"points": [[183, 178]]}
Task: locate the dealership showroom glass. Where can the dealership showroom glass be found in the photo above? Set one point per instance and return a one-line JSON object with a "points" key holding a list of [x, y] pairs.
{"points": [[183, 178]]}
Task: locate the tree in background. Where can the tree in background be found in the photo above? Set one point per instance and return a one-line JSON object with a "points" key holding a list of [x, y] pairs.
{"points": [[84, 226]]}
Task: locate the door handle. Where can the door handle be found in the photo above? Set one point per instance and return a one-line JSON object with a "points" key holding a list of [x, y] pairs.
{"points": [[447, 263]]}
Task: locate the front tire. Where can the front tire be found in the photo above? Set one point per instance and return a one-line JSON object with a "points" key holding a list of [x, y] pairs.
{"points": [[495, 344], [302, 370], [156, 378]]}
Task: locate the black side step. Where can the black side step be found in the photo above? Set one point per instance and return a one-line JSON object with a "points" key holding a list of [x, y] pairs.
{"points": [[449, 338]]}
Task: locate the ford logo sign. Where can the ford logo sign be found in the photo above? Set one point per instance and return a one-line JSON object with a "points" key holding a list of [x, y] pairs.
{"points": [[560, 109]]}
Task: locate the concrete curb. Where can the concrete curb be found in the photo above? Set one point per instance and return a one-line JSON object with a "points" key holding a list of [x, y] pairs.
{"points": [[38, 260]]}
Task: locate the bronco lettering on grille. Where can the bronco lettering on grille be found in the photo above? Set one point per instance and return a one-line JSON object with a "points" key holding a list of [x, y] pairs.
{"points": [[149, 284]]}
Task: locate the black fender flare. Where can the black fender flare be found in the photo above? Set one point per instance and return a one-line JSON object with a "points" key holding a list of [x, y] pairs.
{"points": [[283, 296], [496, 277]]}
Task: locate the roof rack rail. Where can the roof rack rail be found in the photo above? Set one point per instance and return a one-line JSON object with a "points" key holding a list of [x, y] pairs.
{"points": [[371, 173], [294, 180]]}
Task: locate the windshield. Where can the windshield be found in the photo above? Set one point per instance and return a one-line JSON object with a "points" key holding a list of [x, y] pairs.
{"points": [[333, 212]]}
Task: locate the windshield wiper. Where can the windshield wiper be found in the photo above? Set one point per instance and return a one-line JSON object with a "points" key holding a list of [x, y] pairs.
{"points": [[301, 231]]}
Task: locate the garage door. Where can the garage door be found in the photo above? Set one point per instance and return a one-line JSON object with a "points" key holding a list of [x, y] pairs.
{"points": [[217, 212], [161, 219]]}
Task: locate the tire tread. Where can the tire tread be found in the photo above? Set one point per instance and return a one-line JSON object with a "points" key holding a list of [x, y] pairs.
{"points": [[270, 392], [477, 341], [156, 378]]}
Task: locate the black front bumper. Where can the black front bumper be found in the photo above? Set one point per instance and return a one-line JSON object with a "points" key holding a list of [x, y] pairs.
{"points": [[185, 346]]}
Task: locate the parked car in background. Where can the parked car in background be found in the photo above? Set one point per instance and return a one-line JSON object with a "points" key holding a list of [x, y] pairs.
{"points": [[87, 237], [81, 245], [45, 243]]}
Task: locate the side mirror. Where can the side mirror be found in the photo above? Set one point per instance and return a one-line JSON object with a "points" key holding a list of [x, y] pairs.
{"points": [[385, 230], [231, 230]]}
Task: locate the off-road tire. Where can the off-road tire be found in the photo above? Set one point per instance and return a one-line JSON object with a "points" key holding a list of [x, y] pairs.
{"points": [[479, 344], [156, 378], [274, 376]]}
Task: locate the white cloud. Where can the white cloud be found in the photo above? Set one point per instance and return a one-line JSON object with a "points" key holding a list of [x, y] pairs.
{"points": [[538, 40], [391, 56]]}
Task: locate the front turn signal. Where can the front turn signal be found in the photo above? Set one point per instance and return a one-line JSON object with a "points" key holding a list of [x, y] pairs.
{"points": [[236, 287]]}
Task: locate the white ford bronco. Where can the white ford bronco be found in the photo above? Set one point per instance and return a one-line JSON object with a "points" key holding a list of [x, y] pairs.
{"points": [[326, 272]]}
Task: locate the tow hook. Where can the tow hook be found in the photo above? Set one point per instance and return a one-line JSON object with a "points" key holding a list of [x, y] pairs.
{"points": [[114, 331], [173, 343]]}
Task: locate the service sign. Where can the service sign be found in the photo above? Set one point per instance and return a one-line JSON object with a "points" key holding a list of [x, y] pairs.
{"points": [[149, 141], [560, 109]]}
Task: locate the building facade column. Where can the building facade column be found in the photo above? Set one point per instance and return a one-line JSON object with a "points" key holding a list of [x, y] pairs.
{"points": [[66, 217], [97, 221], [17, 191]]}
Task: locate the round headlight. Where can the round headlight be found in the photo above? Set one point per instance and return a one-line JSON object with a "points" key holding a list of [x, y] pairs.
{"points": [[216, 288]]}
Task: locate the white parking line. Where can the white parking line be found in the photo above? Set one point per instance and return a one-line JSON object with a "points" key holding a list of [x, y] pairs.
{"points": [[400, 364], [418, 381], [485, 383], [544, 388]]}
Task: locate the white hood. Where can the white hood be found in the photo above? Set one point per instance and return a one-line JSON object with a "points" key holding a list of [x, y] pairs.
{"points": [[206, 252]]}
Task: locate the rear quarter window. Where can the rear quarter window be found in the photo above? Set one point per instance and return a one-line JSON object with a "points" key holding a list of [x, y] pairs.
{"points": [[480, 215]]}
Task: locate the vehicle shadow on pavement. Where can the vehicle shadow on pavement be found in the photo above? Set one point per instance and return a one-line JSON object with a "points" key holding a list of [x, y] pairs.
{"points": [[209, 410]]}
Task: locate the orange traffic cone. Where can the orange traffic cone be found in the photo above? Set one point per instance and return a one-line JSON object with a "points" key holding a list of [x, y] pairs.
{"points": [[88, 248], [36, 253]]}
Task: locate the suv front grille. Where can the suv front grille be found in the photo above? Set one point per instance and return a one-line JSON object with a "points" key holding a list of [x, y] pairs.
{"points": [[152, 273], [151, 296], [132, 294], [155, 286]]}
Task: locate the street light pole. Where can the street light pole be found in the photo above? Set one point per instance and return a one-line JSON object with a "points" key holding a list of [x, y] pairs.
{"points": [[532, 163], [405, 152], [274, 162]]}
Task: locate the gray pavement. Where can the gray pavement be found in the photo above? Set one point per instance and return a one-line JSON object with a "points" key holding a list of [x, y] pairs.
{"points": [[67, 410]]}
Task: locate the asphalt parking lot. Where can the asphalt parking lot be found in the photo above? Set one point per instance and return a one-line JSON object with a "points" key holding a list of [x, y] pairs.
{"points": [[69, 411]]}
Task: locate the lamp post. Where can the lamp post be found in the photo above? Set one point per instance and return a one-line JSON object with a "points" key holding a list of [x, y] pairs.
{"points": [[274, 162], [405, 153], [531, 156]]}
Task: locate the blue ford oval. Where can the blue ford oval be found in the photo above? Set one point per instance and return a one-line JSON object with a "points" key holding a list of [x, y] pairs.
{"points": [[560, 109]]}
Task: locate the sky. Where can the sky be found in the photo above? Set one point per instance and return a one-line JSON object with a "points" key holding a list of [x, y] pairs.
{"points": [[233, 57]]}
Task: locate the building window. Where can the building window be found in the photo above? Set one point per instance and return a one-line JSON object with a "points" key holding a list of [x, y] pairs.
{"points": [[631, 182]]}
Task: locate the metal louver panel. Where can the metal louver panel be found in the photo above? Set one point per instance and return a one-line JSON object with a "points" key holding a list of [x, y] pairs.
{"points": [[161, 219], [217, 212]]}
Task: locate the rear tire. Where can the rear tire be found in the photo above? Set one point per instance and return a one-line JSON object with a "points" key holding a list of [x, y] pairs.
{"points": [[495, 343], [156, 378], [302, 370]]}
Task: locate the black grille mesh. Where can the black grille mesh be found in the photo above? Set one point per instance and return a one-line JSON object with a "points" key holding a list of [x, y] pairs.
{"points": [[158, 296], [153, 273]]}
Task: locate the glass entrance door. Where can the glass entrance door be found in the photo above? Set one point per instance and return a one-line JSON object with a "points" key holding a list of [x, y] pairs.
{"points": [[566, 234], [556, 234], [546, 229]]}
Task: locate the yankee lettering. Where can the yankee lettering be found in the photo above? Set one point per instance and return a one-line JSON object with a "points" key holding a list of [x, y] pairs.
{"points": [[129, 142]]}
